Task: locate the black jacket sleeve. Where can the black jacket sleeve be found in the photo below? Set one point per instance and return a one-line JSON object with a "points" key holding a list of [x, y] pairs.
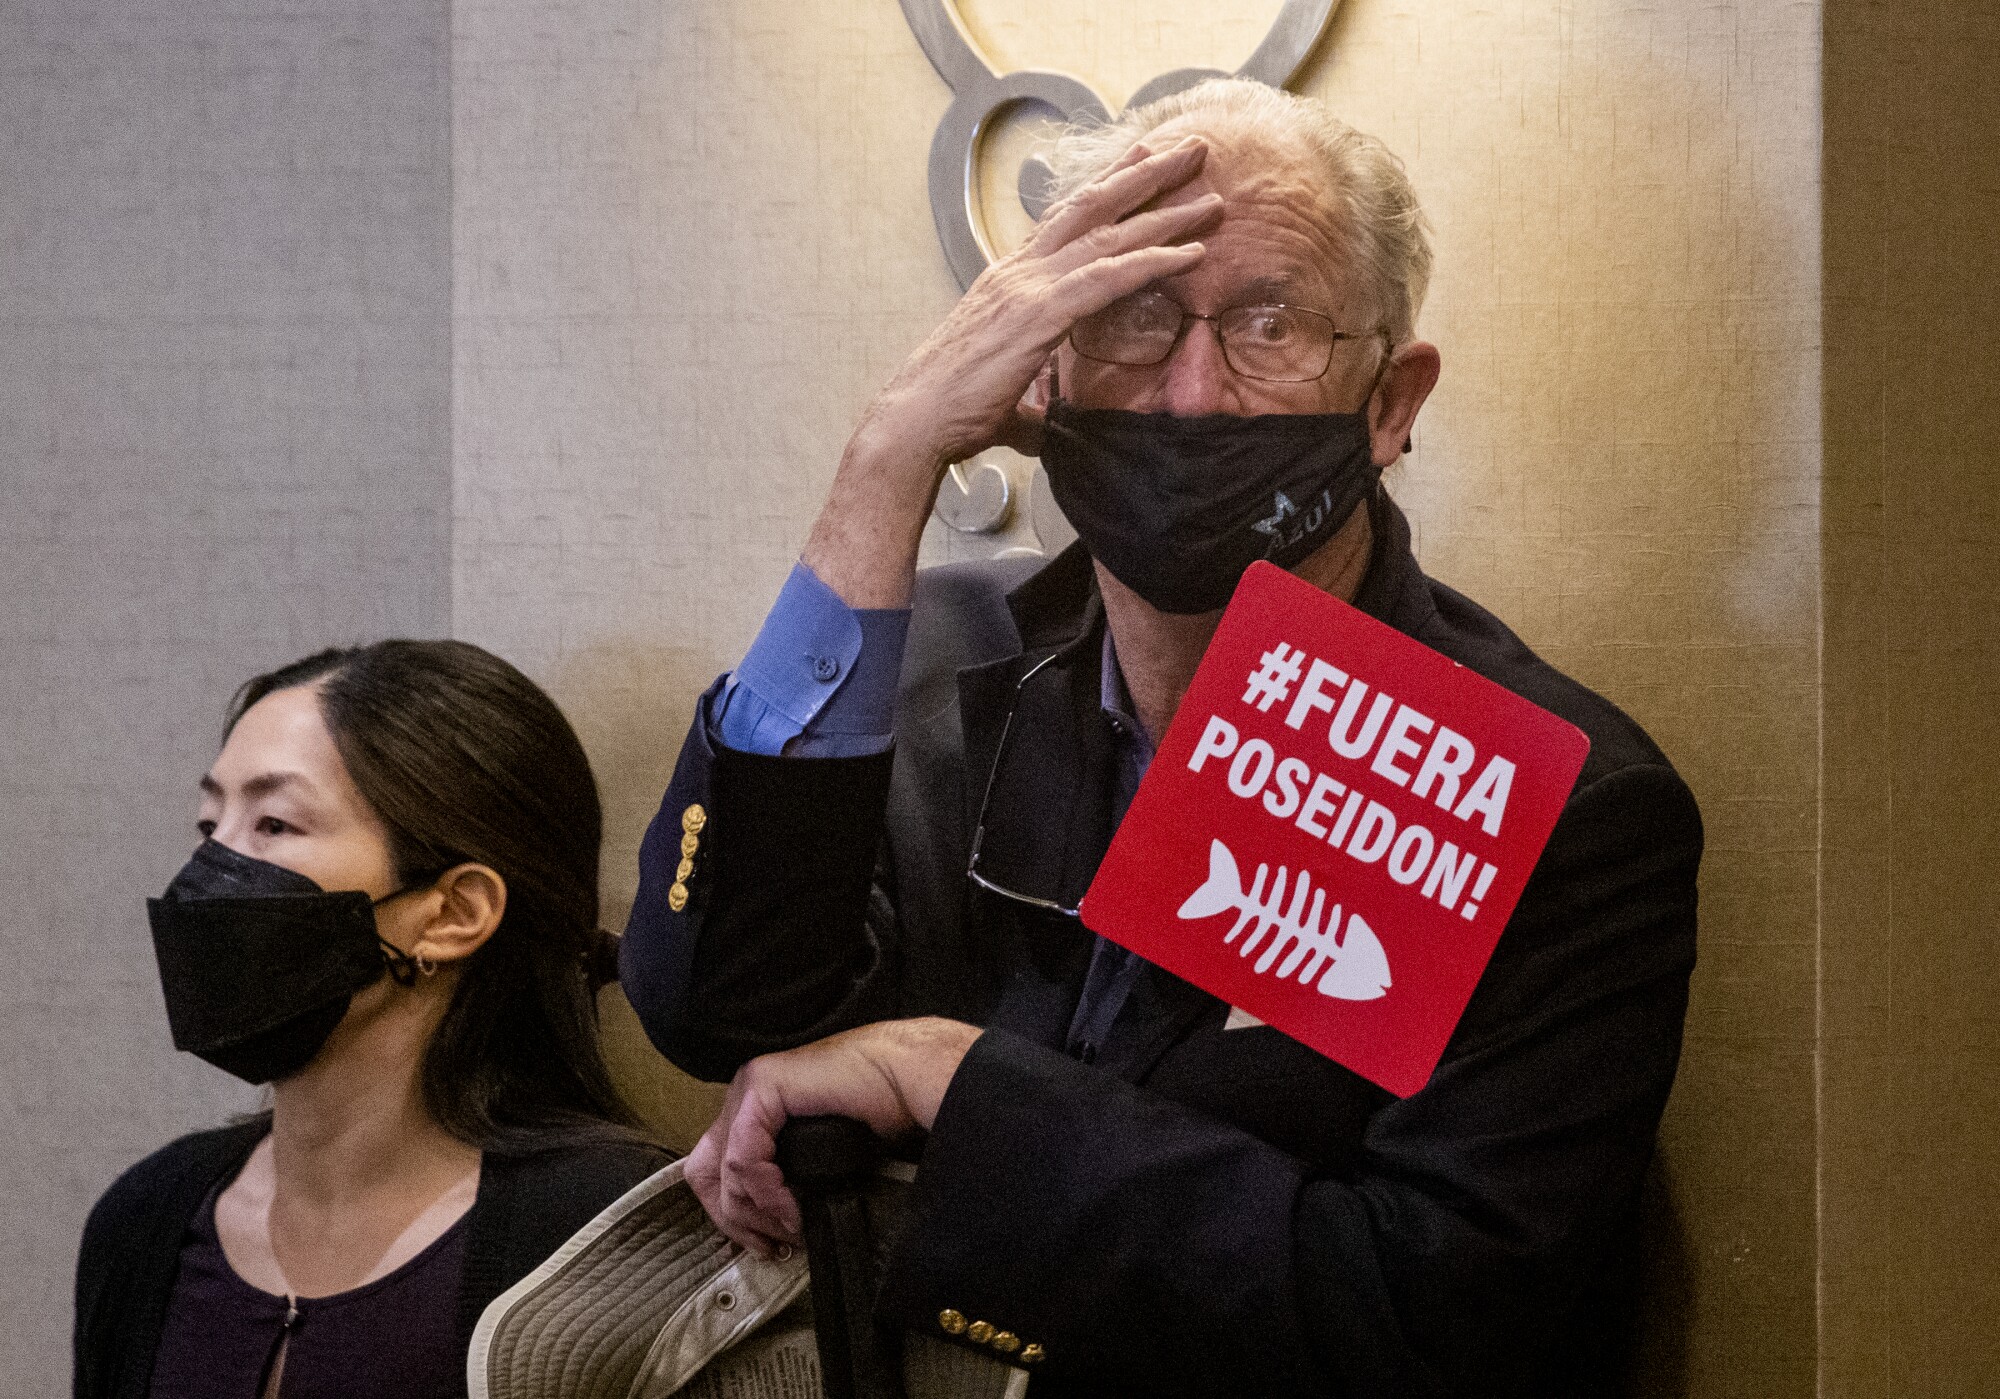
{"points": [[1147, 1247], [785, 934], [130, 1254]]}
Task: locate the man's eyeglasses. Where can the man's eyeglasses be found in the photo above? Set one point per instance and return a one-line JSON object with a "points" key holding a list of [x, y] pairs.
{"points": [[1280, 344], [984, 880]]}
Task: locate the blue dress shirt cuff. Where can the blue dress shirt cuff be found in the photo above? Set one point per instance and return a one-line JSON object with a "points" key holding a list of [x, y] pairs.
{"points": [[820, 679]]}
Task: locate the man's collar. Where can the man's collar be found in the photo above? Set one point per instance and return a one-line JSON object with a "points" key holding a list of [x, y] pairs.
{"points": [[1058, 602], [1394, 590]]}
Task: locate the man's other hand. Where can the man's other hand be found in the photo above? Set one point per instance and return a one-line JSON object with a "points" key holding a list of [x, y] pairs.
{"points": [[891, 1076]]}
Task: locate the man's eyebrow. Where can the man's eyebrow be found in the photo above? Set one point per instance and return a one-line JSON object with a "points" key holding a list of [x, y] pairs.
{"points": [[1276, 284], [1271, 286]]}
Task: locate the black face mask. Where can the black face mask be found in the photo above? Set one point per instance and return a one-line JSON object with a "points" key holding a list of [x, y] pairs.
{"points": [[258, 963], [1178, 508]]}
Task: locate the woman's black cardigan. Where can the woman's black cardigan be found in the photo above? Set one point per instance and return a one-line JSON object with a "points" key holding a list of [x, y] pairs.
{"points": [[526, 1207]]}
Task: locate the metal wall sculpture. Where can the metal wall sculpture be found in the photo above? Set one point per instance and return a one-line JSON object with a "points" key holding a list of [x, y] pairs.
{"points": [[980, 93]]}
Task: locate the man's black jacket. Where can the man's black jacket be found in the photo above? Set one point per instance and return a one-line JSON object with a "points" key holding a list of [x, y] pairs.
{"points": [[1202, 1210]]}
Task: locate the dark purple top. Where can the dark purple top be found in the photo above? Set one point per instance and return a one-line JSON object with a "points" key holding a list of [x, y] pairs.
{"points": [[393, 1338]]}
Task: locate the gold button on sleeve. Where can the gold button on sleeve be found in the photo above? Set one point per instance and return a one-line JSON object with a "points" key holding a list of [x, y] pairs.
{"points": [[683, 870], [677, 897], [1006, 1342], [1031, 1354], [693, 819], [689, 844], [952, 1323], [979, 1333]]}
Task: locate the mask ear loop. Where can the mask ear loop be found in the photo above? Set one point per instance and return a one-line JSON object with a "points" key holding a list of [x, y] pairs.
{"points": [[403, 968]]}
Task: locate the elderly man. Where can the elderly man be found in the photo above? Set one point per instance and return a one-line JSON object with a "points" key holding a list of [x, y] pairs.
{"points": [[858, 897]]}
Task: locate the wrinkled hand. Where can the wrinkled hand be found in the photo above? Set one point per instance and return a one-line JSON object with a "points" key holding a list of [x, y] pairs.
{"points": [[963, 390], [960, 393], [891, 1075]]}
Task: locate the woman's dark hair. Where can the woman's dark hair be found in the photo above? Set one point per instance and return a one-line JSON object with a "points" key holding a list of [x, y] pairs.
{"points": [[466, 759]]}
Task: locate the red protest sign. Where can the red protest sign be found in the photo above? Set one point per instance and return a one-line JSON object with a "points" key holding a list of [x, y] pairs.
{"points": [[1335, 829]]}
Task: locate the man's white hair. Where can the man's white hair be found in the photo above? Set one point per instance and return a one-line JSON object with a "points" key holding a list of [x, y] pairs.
{"points": [[1379, 226]]}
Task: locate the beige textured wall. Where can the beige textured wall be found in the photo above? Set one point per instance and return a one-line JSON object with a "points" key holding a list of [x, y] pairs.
{"points": [[692, 237], [1911, 1121], [1622, 461], [225, 426]]}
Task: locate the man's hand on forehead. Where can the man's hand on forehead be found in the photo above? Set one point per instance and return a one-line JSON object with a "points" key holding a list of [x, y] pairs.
{"points": [[962, 391]]}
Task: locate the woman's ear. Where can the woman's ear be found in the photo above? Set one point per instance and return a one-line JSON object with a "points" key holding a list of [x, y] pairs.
{"points": [[472, 900]]}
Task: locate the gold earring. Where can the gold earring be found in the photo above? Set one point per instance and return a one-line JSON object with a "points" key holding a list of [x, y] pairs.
{"points": [[426, 965]]}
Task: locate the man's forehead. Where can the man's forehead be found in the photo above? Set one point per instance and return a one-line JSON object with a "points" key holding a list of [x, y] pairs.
{"points": [[1258, 172], [1247, 152], [1275, 241]]}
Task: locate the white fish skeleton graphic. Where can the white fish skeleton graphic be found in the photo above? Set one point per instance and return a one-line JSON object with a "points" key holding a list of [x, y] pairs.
{"points": [[1356, 968]]}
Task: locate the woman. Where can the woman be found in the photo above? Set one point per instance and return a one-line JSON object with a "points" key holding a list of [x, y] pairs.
{"points": [[392, 919]]}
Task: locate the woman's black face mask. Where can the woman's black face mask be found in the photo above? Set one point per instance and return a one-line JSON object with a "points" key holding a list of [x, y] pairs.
{"points": [[258, 963], [1178, 508]]}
